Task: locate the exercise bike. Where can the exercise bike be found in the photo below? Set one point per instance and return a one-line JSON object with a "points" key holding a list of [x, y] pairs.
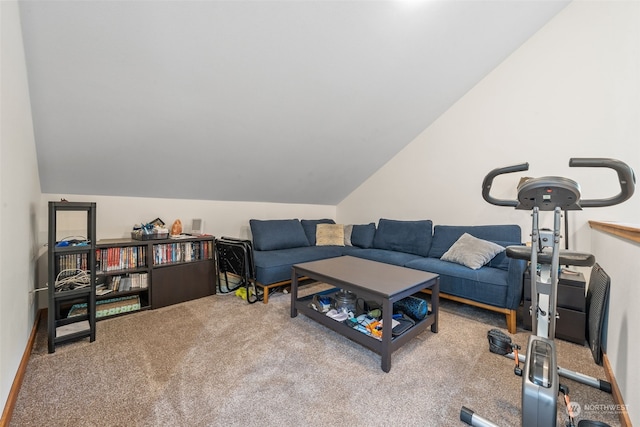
{"points": [[540, 376]]}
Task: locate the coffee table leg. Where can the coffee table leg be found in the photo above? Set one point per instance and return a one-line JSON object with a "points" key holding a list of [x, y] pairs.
{"points": [[294, 292], [435, 304], [387, 315]]}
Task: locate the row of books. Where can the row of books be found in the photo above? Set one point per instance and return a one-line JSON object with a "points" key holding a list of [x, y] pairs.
{"points": [[108, 307], [73, 262], [123, 283], [167, 253], [121, 258]]}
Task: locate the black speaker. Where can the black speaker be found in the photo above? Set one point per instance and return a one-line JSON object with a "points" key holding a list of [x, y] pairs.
{"points": [[597, 302]]}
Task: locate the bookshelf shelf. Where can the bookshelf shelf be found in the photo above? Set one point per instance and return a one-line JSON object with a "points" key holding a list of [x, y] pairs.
{"points": [[123, 271], [161, 266]]}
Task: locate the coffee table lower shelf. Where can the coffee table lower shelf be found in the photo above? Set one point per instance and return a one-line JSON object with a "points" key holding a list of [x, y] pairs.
{"points": [[373, 344], [384, 283]]}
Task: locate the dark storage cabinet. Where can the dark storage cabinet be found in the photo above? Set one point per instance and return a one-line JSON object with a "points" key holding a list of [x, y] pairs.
{"points": [[572, 320], [183, 269], [173, 284]]}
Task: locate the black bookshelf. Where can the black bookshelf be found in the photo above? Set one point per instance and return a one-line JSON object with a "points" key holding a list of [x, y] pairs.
{"points": [[71, 277], [175, 270]]}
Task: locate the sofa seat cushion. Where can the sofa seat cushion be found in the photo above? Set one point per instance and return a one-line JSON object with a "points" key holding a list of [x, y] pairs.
{"points": [[411, 237], [444, 236], [275, 266], [486, 285], [381, 255]]}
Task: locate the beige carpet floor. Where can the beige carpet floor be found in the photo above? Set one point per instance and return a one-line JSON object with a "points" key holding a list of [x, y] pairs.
{"points": [[219, 361]]}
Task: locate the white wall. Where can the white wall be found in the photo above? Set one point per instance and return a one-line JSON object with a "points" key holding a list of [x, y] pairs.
{"points": [[117, 215], [19, 200], [571, 91], [619, 258]]}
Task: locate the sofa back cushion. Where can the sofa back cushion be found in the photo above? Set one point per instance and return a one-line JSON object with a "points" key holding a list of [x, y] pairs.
{"points": [[277, 234], [446, 235], [362, 235], [309, 226], [411, 237], [501, 260]]}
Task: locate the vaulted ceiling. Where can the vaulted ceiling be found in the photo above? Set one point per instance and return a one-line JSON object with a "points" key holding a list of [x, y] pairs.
{"points": [[276, 101]]}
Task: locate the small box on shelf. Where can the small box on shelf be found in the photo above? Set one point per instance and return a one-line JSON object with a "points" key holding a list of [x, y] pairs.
{"points": [[139, 235]]}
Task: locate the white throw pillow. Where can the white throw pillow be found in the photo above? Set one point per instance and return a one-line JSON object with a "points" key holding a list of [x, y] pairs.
{"points": [[471, 251]]}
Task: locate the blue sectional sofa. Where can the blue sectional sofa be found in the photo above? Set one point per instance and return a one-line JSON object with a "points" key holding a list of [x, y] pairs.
{"points": [[472, 266]]}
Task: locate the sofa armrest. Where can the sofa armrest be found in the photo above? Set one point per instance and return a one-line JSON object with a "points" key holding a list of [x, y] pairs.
{"points": [[515, 281]]}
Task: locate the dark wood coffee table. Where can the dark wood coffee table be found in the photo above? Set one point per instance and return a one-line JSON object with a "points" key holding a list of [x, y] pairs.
{"points": [[371, 280]]}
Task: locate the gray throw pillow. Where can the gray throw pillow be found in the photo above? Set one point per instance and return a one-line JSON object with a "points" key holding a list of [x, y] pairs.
{"points": [[347, 234], [471, 251]]}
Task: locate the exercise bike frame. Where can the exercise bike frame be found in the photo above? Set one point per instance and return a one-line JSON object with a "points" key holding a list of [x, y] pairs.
{"points": [[540, 384]]}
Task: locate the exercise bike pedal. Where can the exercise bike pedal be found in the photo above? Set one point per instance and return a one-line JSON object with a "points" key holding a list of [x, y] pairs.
{"points": [[499, 342], [590, 423]]}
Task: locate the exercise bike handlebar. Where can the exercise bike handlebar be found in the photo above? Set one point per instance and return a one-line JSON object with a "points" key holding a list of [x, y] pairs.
{"points": [[488, 182], [626, 179]]}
